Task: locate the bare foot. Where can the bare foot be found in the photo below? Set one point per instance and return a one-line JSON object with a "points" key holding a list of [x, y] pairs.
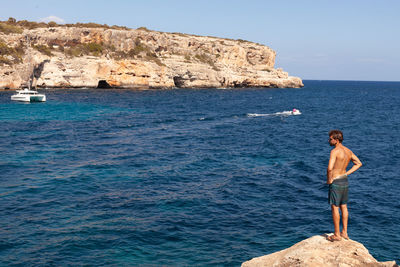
{"points": [[344, 235], [334, 238]]}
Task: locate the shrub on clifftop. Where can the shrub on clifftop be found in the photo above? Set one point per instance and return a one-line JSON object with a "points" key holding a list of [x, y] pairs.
{"points": [[9, 28], [14, 26], [31, 24]]}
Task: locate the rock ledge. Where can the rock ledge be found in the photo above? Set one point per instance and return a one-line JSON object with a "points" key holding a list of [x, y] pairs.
{"points": [[317, 251]]}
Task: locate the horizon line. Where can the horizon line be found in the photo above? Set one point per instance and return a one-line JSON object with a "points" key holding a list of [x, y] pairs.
{"points": [[349, 80]]}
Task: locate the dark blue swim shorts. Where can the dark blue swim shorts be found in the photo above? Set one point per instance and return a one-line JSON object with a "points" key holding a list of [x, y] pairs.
{"points": [[339, 191]]}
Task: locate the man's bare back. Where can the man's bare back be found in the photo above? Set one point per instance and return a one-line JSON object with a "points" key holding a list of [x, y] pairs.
{"points": [[339, 160]]}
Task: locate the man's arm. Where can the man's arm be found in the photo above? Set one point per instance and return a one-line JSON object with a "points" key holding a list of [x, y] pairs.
{"points": [[356, 166], [332, 160]]}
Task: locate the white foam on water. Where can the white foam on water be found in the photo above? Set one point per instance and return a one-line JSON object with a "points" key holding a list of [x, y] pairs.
{"points": [[283, 113], [257, 115]]}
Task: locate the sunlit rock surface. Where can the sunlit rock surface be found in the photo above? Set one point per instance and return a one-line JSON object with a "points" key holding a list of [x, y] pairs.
{"points": [[317, 251]]}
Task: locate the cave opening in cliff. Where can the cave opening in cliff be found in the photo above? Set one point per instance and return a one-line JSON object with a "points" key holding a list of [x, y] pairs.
{"points": [[103, 84], [179, 81]]}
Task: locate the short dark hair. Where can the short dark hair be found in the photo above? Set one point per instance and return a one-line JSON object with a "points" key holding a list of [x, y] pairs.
{"points": [[336, 134]]}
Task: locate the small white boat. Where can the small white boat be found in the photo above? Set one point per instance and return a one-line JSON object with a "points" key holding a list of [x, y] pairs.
{"points": [[296, 112], [27, 95]]}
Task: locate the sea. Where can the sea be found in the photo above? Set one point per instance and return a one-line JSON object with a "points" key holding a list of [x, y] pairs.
{"points": [[192, 177]]}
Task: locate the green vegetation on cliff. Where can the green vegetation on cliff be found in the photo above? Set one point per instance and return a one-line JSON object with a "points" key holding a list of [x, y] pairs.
{"points": [[93, 49], [10, 55], [204, 58], [44, 49]]}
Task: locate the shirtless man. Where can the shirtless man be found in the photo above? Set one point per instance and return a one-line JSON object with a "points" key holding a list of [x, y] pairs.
{"points": [[338, 183]]}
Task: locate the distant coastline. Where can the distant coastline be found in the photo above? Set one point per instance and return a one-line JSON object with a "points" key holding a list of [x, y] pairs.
{"points": [[329, 80], [49, 55]]}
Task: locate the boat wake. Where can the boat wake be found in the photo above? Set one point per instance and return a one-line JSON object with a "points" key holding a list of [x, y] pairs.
{"points": [[283, 113]]}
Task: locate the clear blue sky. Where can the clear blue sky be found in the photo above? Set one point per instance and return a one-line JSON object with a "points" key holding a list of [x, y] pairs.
{"points": [[314, 39]]}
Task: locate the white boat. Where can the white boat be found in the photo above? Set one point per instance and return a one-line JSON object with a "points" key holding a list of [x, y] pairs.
{"points": [[27, 95], [296, 112]]}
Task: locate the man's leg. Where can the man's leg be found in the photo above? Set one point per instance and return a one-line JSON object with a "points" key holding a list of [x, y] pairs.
{"points": [[336, 221], [345, 217]]}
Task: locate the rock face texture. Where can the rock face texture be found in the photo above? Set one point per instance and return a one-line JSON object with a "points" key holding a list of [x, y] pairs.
{"points": [[317, 251], [63, 56]]}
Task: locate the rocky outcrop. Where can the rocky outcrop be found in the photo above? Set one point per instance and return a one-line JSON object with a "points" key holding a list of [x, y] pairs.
{"points": [[317, 251], [88, 57]]}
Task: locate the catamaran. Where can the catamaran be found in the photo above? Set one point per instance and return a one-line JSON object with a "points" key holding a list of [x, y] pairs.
{"points": [[27, 95]]}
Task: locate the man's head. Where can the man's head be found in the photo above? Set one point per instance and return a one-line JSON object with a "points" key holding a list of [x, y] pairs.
{"points": [[335, 136]]}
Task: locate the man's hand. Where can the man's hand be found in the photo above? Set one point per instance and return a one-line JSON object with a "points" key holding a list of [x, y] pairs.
{"points": [[329, 181], [357, 164]]}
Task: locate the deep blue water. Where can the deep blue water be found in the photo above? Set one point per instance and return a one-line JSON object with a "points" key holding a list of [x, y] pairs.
{"points": [[186, 177]]}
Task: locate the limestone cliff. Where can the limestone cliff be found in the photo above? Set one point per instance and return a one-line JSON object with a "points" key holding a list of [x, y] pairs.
{"points": [[68, 56], [317, 251]]}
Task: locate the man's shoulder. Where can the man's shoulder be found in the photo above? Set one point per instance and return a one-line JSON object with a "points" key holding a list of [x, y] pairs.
{"points": [[347, 149], [341, 149], [334, 152]]}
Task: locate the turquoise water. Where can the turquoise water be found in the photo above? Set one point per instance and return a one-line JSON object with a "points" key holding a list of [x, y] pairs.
{"points": [[186, 177]]}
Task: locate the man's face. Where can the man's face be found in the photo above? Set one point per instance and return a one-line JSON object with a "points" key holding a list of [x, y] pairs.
{"points": [[332, 142]]}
